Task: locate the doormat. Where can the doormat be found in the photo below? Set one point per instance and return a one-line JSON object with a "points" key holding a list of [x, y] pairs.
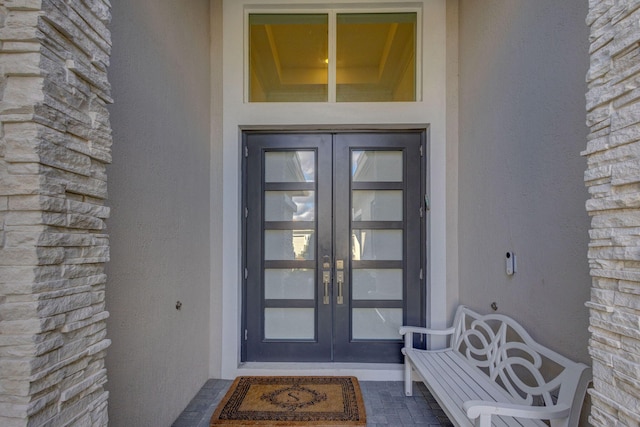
{"points": [[291, 401]]}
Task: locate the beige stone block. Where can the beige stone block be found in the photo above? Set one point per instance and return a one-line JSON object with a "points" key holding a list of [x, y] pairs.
{"points": [[630, 287], [90, 209], [55, 306], [19, 387], [628, 115], [81, 314], [598, 173], [599, 190], [602, 356], [21, 92], [23, 5], [31, 326], [19, 47], [621, 201], [77, 271], [613, 220], [17, 185], [18, 218], [628, 301], [624, 136], [18, 256], [603, 296], [626, 172], [74, 326], [631, 276], [85, 222], [614, 154], [83, 385], [37, 202]]}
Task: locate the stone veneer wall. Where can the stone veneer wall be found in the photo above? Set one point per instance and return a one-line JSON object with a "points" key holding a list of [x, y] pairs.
{"points": [[613, 178], [55, 141]]}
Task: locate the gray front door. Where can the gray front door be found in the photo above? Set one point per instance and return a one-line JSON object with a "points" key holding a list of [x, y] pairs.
{"points": [[333, 245]]}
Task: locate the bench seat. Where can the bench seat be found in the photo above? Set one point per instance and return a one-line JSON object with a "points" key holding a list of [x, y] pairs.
{"points": [[494, 374], [452, 381]]}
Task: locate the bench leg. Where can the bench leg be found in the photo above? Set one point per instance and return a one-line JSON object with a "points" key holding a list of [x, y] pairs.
{"points": [[408, 384], [484, 420]]}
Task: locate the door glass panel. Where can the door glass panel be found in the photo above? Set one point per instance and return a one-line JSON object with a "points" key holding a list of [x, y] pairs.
{"points": [[289, 166], [289, 323], [377, 166], [377, 205], [376, 57], [377, 284], [376, 245], [289, 205], [288, 57], [289, 283], [289, 245], [376, 323]]}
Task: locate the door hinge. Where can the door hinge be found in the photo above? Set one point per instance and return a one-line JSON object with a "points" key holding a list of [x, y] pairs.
{"points": [[427, 202], [246, 212], [246, 334], [421, 274], [246, 151], [246, 273], [421, 213], [421, 151]]}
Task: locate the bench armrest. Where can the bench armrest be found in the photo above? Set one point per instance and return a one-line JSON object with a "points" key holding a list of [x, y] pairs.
{"points": [[484, 410], [419, 330], [408, 332]]}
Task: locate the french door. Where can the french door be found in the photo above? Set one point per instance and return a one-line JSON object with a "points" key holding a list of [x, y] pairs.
{"points": [[333, 245]]}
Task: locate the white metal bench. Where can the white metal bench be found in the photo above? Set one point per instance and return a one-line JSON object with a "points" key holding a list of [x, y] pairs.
{"points": [[494, 374]]}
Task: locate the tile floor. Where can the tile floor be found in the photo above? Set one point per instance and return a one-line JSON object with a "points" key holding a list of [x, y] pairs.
{"points": [[385, 403]]}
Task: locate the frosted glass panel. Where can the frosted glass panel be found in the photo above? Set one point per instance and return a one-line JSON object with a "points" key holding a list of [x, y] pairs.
{"points": [[377, 284], [289, 245], [376, 57], [288, 57], [289, 205], [289, 166], [289, 323], [377, 166], [376, 245], [289, 283], [377, 205], [376, 323]]}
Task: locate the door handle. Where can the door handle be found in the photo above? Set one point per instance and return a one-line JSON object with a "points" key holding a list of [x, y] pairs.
{"points": [[326, 278], [340, 279]]}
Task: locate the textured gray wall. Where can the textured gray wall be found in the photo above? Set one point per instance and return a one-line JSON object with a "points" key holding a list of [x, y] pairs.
{"points": [[159, 194], [522, 114]]}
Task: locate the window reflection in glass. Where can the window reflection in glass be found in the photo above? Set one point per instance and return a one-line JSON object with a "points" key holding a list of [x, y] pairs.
{"points": [[372, 245], [376, 166], [289, 205], [289, 166], [289, 245]]}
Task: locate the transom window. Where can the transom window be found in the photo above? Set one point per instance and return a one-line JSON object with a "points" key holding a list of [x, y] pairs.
{"points": [[332, 57]]}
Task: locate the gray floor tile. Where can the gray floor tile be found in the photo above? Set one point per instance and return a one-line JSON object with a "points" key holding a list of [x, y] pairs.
{"points": [[385, 403]]}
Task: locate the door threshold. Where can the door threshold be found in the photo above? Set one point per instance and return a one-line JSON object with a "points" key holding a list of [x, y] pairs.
{"points": [[362, 371]]}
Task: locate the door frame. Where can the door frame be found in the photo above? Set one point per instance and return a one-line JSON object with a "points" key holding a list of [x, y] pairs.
{"points": [[415, 181], [230, 115]]}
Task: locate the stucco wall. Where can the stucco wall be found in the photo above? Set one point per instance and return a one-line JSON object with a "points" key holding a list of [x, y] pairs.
{"points": [[159, 195], [522, 68]]}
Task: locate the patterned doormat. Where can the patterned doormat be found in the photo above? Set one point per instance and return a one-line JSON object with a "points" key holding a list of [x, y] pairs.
{"points": [[291, 401]]}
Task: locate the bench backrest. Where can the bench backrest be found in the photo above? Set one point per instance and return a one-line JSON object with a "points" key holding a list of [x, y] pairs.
{"points": [[531, 373]]}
